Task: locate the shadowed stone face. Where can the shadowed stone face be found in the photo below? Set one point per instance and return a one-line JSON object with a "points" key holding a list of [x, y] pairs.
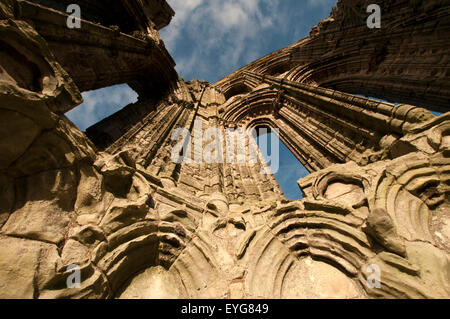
{"points": [[18, 70], [111, 203]]}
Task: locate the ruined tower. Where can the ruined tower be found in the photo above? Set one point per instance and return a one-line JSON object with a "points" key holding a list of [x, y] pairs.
{"points": [[137, 224]]}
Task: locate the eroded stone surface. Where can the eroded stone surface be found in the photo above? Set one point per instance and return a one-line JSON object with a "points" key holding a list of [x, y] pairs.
{"points": [[141, 226]]}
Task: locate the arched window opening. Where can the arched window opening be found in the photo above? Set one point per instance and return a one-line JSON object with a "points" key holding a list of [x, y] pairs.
{"points": [[237, 89], [279, 69], [290, 170], [99, 104]]}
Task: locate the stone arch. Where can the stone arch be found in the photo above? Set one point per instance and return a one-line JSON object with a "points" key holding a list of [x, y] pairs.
{"points": [[267, 108], [276, 65], [361, 74], [237, 88], [279, 69], [290, 138]]}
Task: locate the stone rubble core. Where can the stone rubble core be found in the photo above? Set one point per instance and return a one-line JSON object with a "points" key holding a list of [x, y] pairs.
{"points": [[140, 226]]}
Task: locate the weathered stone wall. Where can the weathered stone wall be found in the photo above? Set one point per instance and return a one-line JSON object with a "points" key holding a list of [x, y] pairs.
{"points": [[405, 61], [97, 55], [140, 225]]}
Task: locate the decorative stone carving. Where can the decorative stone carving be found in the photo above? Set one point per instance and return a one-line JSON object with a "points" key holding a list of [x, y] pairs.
{"points": [[139, 226]]}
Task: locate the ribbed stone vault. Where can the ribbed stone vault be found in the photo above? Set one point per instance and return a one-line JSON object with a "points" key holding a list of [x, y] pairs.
{"points": [[138, 225]]}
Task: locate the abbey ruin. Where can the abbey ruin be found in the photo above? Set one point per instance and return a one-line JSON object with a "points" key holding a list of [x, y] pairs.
{"points": [[138, 225]]}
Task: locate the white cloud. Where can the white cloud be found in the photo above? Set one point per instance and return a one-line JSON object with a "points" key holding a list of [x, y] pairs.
{"points": [[212, 38], [209, 39], [230, 32], [99, 104]]}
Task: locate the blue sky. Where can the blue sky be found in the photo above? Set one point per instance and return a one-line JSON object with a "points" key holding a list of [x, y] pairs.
{"points": [[289, 169], [210, 39], [101, 103]]}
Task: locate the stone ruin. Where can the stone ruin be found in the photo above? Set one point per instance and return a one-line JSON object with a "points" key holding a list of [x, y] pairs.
{"points": [[138, 225]]}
